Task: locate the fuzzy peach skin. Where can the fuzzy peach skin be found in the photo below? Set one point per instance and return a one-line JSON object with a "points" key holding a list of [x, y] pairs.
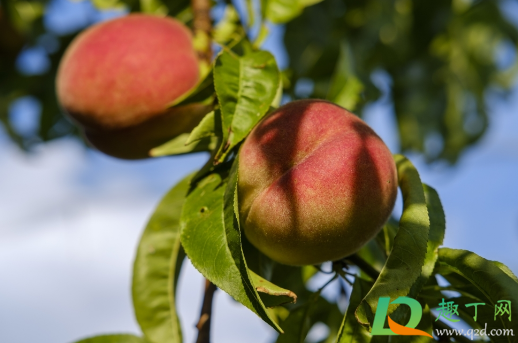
{"points": [[315, 183], [120, 74]]}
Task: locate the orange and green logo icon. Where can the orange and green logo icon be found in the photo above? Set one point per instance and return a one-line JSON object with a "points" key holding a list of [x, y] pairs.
{"points": [[416, 313]]}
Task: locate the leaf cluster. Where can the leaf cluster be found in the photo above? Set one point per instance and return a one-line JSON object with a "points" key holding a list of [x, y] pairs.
{"points": [[435, 61], [198, 219], [436, 55]]}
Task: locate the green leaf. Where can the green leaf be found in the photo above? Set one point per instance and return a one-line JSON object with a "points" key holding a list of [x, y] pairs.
{"points": [[178, 146], [229, 28], [297, 324], [373, 254], [211, 239], [250, 12], [203, 92], [404, 265], [271, 294], [435, 236], [308, 272], [279, 274], [108, 4], [156, 268], [264, 32], [346, 88], [506, 270], [208, 127], [351, 331], [302, 318], [122, 338], [386, 236], [458, 283], [282, 11], [489, 278], [156, 7], [246, 87], [435, 239]]}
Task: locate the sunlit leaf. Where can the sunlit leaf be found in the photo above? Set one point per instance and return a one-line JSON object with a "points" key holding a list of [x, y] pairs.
{"points": [[488, 278], [271, 294], [211, 239], [178, 146], [152, 7], [201, 93], [506, 270], [229, 28], [108, 4], [279, 274], [282, 11], [246, 87], [156, 269], [405, 262], [386, 236], [435, 236], [123, 338], [435, 239], [208, 127]]}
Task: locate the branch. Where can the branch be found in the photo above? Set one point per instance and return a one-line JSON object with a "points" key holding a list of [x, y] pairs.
{"points": [[203, 325], [202, 26]]}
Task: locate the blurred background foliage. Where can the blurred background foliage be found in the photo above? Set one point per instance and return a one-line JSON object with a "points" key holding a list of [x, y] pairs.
{"points": [[440, 60]]}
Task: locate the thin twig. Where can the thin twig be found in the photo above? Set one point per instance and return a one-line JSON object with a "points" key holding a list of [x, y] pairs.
{"points": [[203, 325], [344, 274]]}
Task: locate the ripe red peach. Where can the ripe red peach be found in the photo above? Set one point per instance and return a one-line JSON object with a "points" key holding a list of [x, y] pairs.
{"points": [[315, 183], [118, 79]]}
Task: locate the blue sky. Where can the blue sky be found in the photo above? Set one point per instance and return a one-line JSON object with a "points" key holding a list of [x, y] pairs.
{"points": [[70, 220]]}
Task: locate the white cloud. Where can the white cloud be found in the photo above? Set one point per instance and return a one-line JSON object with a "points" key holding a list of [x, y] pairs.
{"points": [[70, 222]]}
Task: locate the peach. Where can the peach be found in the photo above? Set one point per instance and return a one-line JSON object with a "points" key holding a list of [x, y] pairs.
{"points": [[118, 79], [315, 183]]}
